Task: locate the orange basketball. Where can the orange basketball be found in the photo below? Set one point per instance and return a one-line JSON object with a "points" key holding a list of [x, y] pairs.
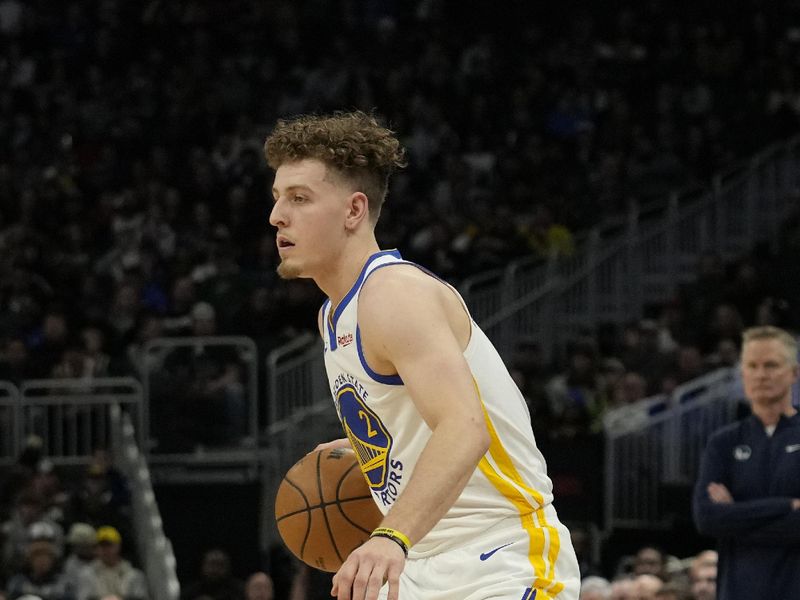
{"points": [[324, 508]]}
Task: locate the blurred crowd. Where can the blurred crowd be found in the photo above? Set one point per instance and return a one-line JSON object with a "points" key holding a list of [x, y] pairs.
{"points": [[649, 573], [66, 536], [134, 197]]}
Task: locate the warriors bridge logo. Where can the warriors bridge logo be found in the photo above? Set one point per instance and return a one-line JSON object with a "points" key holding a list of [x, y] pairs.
{"points": [[371, 442]]}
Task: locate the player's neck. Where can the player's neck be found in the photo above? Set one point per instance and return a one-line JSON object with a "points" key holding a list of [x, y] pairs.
{"points": [[339, 278], [770, 414]]}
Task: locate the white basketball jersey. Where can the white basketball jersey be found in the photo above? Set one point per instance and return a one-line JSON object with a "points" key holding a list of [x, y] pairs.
{"points": [[388, 435]]}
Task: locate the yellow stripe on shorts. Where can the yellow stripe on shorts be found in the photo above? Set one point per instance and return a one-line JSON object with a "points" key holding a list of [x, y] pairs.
{"points": [[545, 577]]}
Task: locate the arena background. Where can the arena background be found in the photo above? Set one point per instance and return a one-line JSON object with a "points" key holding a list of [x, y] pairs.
{"points": [[133, 217]]}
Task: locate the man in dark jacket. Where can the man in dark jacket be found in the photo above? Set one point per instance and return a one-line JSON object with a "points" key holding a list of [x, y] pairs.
{"points": [[748, 492]]}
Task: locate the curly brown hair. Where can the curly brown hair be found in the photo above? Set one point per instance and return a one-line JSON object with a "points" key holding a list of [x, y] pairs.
{"points": [[351, 144]]}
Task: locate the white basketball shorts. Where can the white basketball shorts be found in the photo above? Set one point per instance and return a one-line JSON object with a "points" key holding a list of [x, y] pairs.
{"points": [[506, 563]]}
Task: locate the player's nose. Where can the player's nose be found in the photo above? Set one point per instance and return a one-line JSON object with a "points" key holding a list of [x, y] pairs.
{"points": [[277, 217]]}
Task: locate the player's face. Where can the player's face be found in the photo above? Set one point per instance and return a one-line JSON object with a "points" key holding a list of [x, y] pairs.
{"points": [[767, 372], [309, 211]]}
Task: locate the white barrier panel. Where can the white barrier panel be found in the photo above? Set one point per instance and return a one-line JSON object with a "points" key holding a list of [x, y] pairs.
{"points": [[658, 442], [154, 547]]}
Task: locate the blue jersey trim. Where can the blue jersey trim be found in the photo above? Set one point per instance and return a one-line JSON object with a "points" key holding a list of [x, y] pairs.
{"points": [[326, 326], [331, 323], [385, 379]]}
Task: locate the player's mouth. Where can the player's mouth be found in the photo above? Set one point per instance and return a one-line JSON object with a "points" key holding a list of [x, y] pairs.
{"points": [[283, 243]]}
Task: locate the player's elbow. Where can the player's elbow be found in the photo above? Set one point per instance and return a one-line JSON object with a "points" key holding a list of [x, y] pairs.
{"points": [[479, 437]]}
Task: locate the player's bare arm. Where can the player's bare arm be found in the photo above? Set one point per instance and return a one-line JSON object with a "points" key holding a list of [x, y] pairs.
{"points": [[415, 326]]}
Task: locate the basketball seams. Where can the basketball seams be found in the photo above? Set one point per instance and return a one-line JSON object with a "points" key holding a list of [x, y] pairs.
{"points": [[323, 506], [324, 511], [349, 520], [339, 501], [308, 520], [324, 542]]}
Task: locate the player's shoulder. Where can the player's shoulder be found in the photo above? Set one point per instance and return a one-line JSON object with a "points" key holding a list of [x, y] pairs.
{"points": [[411, 296], [398, 280]]}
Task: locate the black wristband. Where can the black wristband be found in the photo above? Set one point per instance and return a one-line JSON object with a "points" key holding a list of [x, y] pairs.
{"points": [[394, 538]]}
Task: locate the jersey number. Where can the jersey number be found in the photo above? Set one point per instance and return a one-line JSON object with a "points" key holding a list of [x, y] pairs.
{"points": [[370, 431]]}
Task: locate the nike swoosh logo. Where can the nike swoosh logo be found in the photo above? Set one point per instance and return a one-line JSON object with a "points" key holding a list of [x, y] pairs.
{"points": [[487, 555], [793, 448]]}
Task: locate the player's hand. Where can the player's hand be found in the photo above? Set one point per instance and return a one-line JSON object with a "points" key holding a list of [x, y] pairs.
{"points": [[719, 494], [340, 443], [375, 562]]}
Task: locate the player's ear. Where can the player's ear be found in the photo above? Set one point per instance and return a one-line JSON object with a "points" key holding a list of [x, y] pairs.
{"points": [[357, 210]]}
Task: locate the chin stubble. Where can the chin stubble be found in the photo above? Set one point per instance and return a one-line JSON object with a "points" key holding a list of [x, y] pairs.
{"points": [[287, 271]]}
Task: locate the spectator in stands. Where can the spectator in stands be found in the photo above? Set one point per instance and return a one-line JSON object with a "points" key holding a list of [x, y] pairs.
{"points": [[96, 359], [15, 360], [216, 581], [200, 394], [46, 484], [577, 398], [703, 579], [747, 494], [595, 588], [18, 479], [647, 586], [726, 323], [629, 388], [40, 575], [623, 588], [82, 542], [110, 574], [745, 293], [689, 364], [726, 354], [545, 237], [27, 522], [103, 497], [650, 560], [259, 586], [671, 591], [50, 342], [640, 352], [149, 326]]}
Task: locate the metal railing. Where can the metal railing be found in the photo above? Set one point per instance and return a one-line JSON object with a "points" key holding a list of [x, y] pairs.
{"points": [[295, 377], [71, 416], [619, 268], [202, 397], [153, 546], [658, 442], [9, 423]]}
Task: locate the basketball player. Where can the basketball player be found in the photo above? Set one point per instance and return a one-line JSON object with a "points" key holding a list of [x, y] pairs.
{"points": [[441, 432]]}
